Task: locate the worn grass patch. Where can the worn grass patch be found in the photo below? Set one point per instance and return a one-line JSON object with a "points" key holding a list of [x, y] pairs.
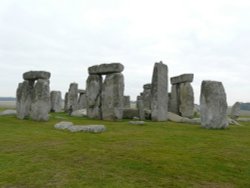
{"points": [[34, 154]]}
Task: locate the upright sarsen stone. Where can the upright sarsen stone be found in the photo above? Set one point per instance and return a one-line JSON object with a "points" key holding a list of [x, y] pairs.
{"points": [[24, 99], [235, 111], [56, 101], [126, 102], [146, 97], [93, 92], [112, 97], [175, 99], [213, 105], [82, 100], [186, 107], [159, 92], [40, 106], [72, 97]]}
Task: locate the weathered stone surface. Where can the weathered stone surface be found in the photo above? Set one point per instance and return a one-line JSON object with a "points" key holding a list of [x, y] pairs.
{"points": [[182, 78], [72, 98], [232, 121], [137, 122], [159, 92], [87, 128], [179, 119], [213, 105], [126, 101], [63, 125], [35, 75], [146, 96], [130, 113], [40, 106], [112, 97], [186, 107], [94, 88], [66, 101], [235, 111], [82, 101], [106, 68], [141, 110], [8, 112], [244, 119], [174, 117], [175, 99], [79, 113], [56, 101], [24, 99], [81, 91]]}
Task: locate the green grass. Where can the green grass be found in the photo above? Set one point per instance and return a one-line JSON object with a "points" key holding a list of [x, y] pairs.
{"points": [[34, 154]]}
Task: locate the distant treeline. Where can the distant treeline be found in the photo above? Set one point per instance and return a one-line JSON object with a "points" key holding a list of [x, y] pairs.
{"points": [[245, 106], [7, 99]]}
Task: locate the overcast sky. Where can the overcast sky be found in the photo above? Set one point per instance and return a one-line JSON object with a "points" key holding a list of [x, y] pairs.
{"points": [[208, 38]]}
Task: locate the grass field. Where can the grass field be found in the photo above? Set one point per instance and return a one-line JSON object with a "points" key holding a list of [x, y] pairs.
{"points": [[34, 154]]}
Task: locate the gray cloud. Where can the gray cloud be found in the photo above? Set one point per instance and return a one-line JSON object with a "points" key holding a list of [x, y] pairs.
{"points": [[210, 39]]}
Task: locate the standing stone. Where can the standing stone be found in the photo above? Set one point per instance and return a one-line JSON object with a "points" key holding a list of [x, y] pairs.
{"points": [[112, 97], [235, 111], [141, 110], [175, 99], [186, 100], [72, 97], [24, 99], [82, 101], [94, 88], [213, 105], [66, 101], [146, 97], [159, 92], [126, 101], [56, 101], [40, 106]]}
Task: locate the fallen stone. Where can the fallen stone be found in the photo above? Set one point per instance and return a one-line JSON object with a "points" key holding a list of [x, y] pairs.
{"points": [[174, 117], [87, 128], [232, 121], [244, 119], [182, 78], [213, 105], [137, 122], [79, 113], [63, 125], [8, 112], [106, 68], [35, 75]]}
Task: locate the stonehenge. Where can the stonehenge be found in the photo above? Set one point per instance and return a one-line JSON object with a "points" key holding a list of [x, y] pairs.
{"points": [[182, 96], [105, 98], [33, 96], [213, 105]]}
